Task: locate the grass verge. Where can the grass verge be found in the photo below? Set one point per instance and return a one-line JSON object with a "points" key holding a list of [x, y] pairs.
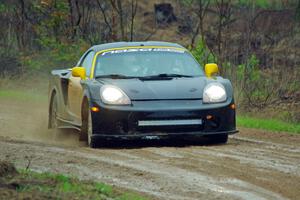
{"points": [[273, 125], [31, 185], [22, 95]]}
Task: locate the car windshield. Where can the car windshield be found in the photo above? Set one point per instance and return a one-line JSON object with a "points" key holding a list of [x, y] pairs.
{"points": [[146, 63]]}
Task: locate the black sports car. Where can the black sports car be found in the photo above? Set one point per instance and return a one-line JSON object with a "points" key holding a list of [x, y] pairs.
{"points": [[141, 90]]}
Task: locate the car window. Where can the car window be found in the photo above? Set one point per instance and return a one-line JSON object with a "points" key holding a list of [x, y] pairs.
{"points": [[147, 62], [87, 62]]}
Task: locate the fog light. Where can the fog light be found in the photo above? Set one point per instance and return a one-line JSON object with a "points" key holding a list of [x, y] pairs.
{"points": [[232, 106], [208, 117], [95, 109]]}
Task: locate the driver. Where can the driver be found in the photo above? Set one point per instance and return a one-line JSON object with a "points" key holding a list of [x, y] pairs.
{"points": [[132, 66]]}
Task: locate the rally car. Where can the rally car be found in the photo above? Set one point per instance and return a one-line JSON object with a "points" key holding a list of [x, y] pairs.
{"points": [[141, 90]]}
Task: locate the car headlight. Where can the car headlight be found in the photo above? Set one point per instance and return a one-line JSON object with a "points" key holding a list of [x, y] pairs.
{"points": [[214, 93], [113, 95]]}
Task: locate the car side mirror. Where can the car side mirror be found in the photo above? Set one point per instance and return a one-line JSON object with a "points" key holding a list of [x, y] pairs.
{"points": [[211, 69], [79, 72]]}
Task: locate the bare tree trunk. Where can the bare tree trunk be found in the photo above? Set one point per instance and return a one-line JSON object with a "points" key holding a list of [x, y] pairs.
{"points": [[105, 18], [133, 13], [114, 25], [298, 11], [77, 23], [121, 16], [21, 31], [117, 5], [194, 36], [73, 30], [22, 26], [201, 12], [220, 6], [86, 21], [224, 18]]}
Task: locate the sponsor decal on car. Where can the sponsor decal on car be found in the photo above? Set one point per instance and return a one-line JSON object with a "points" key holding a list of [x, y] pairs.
{"points": [[142, 50]]}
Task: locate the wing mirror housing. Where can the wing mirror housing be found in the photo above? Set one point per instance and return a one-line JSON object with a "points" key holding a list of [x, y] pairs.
{"points": [[79, 72], [211, 69]]}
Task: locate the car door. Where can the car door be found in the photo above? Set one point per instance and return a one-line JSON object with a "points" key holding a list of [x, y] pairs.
{"points": [[75, 90]]}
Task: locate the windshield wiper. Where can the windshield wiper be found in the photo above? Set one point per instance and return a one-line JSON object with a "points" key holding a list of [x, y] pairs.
{"points": [[162, 76], [152, 77], [116, 76], [173, 75]]}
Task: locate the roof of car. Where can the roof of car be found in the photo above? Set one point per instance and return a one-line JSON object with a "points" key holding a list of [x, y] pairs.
{"points": [[133, 44]]}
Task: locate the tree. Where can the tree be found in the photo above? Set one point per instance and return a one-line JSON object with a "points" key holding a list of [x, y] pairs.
{"points": [[117, 6], [224, 13], [298, 11], [133, 13], [201, 11], [73, 13]]}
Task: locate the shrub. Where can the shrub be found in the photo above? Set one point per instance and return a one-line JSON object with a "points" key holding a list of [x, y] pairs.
{"points": [[202, 54]]}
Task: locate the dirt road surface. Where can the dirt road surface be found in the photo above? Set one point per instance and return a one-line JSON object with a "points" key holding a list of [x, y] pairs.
{"points": [[253, 165]]}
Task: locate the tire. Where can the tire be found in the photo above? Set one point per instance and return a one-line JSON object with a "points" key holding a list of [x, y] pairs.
{"points": [[53, 123], [87, 127], [218, 139]]}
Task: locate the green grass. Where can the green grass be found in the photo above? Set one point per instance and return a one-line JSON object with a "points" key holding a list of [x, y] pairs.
{"points": [[22, 95], [265, 4], [103, 188], [58, 186], [267, 124]]}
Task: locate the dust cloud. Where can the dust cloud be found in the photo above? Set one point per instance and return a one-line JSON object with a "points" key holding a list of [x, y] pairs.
{"points": [[28, 121]]}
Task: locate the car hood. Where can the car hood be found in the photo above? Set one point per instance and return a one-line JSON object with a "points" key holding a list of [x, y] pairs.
{"points": [[175, 88]]}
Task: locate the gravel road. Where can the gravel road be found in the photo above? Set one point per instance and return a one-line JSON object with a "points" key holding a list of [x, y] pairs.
{"points": [[253, 165]]}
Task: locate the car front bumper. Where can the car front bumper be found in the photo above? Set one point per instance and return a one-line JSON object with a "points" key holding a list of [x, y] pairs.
{"points": [[153, 120], [151, 136]]}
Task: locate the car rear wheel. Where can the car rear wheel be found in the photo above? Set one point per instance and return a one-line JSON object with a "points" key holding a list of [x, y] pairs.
{"points": [[87, 127]]}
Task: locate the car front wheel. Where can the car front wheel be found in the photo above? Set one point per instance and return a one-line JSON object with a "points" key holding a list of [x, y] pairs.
{"points": [[218, 139], [87, 127]]}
